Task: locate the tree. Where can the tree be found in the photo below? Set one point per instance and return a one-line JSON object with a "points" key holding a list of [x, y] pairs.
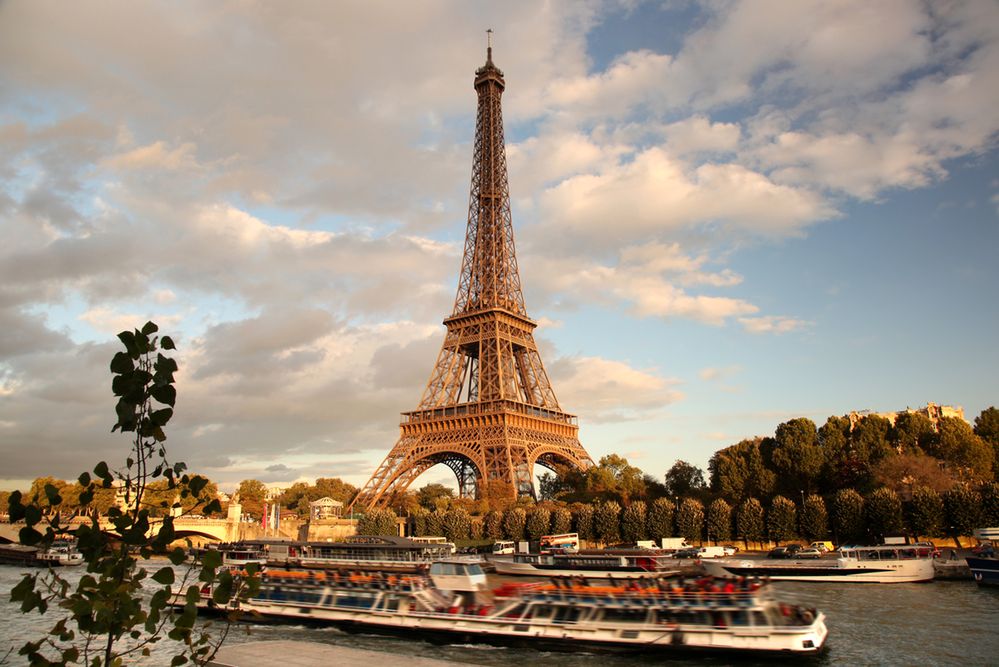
{"points": [[633, 519], [435, 523], [987, 428], [796, 456], [684, 480], [749, 521], [435, 496], [660, 518], [252, 495], [613, 478], [332, 487], [419, 519], [457, 524], [561, 520], [848, 516], [958, 445], [514, 522], [781, 519], [912, 433], [963, 510], [378, 522], [36, 495], [539, 522], [990, 503], [690, 519], [904, 472], [583, 520], [884, 514], [493, 525], [719, 520], [814, 518], [106, 619], [925, 512], [607, 522], [738, 471]]}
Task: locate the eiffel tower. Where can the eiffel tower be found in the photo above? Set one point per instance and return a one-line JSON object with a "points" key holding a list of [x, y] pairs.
{"points": [[488, 412]]}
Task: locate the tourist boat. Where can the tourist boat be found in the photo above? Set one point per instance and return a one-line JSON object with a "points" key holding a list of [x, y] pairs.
{"points": [[888, 564], [62, 553], [605, 563], [573, 613], [386, 552], [985, 566]]}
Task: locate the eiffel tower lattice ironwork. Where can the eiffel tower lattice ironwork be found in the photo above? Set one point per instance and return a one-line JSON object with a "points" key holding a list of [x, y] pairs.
{"points": [[488, 411]]}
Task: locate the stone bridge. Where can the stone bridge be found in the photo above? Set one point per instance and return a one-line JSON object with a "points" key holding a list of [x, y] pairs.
{"points": [[198, 529]]}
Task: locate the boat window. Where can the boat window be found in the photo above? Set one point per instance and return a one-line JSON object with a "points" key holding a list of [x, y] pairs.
{"points": [[565, 614], [759, 619], [625, 615]]}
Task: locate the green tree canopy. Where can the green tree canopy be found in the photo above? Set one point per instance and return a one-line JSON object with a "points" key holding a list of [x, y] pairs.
{"points": [[814, 519], [434, 496], [607, 522], [963, 510], [633, 522], [796, 456], [925, 512], [378, 522], [781, 519], [883, 510], [539, 522], [561, 520], [660, 518], [959, 446], [514, 523], [493, 525], [719, 520], [749, 520], [848, 516], [252, 495], [690, 519], [912, 433], [582, 519], [685, 480]]}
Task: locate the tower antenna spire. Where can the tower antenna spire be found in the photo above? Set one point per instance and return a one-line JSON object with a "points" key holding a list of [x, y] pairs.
{"points": [[489, 45]]}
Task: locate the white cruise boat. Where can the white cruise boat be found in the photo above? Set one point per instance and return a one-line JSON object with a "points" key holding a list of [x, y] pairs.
{"points": [[642, 615], [889, 564], [620, 563]]}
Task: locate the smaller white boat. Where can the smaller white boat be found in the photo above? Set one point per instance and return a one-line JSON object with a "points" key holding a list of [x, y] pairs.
{"points": [[888, 564], [605, 564]]}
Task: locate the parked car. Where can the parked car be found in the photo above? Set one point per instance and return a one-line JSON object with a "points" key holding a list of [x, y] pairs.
{"points": [[985, 549], [824, 547], [778, 552], [715, 552], [733, 548], [793, 549], [692, 552], [809, 553]]}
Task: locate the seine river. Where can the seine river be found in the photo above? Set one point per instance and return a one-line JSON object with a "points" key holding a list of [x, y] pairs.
{"points": [[941, 623]]}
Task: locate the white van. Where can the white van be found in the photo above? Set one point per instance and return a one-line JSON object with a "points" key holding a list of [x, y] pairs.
{"points": [[715, 552], [504, 547]]}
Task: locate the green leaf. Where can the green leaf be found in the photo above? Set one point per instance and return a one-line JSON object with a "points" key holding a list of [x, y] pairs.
{"points": [[161, 417], [193, 595], [121, 363], [84, 479], [213, 507], [164, 576], [149, 328], [167, 343], [177, 556], [165, 394], [32, 514], [211, 559], [128, 338], [178, 660], [197, 484], [101, 470]]}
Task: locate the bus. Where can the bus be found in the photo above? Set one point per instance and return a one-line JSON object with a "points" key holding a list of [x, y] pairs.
{"points": [[565, 543]]}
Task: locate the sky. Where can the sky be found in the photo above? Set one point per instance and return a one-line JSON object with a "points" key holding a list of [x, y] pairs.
{"points": [[727, 215]]}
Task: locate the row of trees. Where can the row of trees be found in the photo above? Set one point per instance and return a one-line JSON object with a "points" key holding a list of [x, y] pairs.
{"points": [[864, 455], [847, 516]]}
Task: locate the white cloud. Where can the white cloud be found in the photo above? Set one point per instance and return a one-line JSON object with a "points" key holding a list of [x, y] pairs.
{"points": [[606, 390], [772, 324]]}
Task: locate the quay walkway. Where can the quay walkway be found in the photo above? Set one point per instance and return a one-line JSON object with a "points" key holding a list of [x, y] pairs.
{"points": [[282, 653]]}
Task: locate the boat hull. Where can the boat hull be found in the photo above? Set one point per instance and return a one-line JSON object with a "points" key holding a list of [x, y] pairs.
{"points": [[984, 570], [912, 571], [453, 628]]}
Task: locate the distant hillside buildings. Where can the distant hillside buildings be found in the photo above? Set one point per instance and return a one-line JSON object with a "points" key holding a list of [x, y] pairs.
{"points": [[932, 410]]}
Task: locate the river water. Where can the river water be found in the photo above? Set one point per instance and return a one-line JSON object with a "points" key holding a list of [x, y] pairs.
{"points": [[941, 623]]}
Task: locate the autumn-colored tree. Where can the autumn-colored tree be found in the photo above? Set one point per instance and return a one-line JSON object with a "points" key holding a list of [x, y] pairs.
{"points": [[561, 520], [493, 525], [435, 496], [539, 522], [378, 522], [514, 523], [457, 524], [582, 519], [904, 472], [252, 495]]}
